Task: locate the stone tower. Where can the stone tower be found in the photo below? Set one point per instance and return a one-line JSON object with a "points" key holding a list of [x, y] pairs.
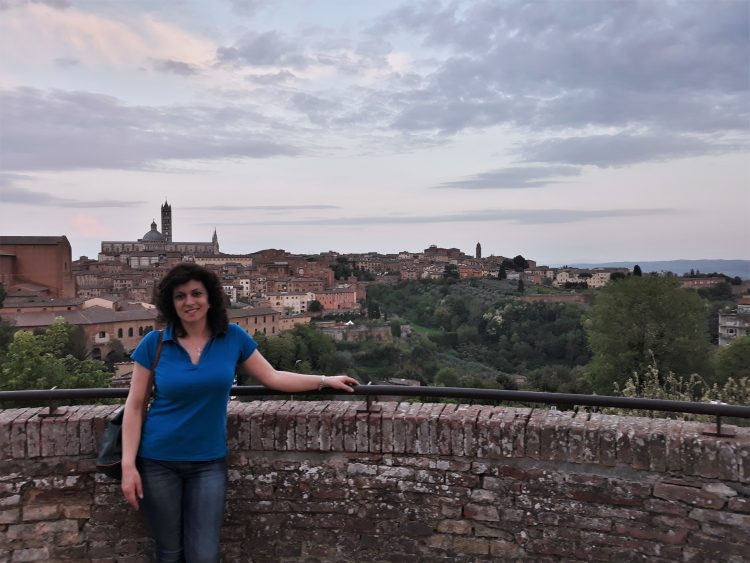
{"points": [[166, 221], [215, 242], [479, 251]]}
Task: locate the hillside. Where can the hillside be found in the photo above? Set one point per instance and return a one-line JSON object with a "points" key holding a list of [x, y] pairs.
{"points": [[731, 268]]}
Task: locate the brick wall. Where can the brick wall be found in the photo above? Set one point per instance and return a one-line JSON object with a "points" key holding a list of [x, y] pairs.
{"points": [[320, 481]]}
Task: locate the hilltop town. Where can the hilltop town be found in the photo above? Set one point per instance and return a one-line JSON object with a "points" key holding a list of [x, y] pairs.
{"points": [[270, 290]]}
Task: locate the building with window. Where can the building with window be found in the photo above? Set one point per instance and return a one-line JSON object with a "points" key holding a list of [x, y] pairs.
{"points": [[735, 323], [43, 262]]}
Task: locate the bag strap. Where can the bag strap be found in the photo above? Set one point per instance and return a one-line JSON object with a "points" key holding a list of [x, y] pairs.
{"points": [[152, 372]]}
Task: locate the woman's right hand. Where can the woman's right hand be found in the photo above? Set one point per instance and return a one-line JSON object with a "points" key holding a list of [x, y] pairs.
{"points": [[131, 486]]}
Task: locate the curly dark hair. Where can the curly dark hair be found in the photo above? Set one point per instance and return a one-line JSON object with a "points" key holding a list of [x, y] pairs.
{"points": [[183, 273]]}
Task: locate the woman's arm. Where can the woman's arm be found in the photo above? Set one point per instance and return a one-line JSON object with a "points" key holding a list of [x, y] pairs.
{"points": [[290, 382], [135, 411]]}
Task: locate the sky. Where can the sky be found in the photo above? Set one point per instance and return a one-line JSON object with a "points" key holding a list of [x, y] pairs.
{"points": [[563, 130]]}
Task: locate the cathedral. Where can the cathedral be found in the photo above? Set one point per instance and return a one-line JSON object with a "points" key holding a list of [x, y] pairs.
{"points": [[154, 244]]}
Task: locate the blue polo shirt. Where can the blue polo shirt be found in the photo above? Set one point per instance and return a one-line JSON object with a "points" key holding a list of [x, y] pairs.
{"points": [[187, 420]]}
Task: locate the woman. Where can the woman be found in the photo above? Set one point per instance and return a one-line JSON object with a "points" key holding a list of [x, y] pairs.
{"points": [[174, 454]]}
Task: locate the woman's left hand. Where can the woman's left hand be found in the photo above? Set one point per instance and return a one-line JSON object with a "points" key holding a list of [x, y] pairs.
{"points": [[343, 382]]}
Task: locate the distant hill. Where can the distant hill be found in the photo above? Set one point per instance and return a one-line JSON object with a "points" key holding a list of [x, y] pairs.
{"points": [[730, 268]]}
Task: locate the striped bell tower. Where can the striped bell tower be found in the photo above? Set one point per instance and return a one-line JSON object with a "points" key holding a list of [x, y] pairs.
{"points": [[166, 221]]}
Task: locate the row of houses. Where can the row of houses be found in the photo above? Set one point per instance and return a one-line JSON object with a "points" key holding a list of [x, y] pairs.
{"points": [[105, 320]]}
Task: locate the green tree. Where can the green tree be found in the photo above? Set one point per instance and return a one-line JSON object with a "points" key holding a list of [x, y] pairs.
{"points": [[450, 272], [7, 328], [644, 320], [116, 354], [733, 360], [520, 263], [315, 306], [637, 270], [373, 309], [396, 329], [446, 377], [521, 287], [36, 362], [342, 268], [502, 274]]}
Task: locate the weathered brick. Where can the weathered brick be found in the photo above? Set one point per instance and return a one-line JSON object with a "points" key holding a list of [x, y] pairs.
{"points": [[657, 444], [471, 546], [690, 495], [421, 443], [727, 466], [534, 433], [608, 429], [739, 505], [386, 426], [716, 549], [481, 512], [10, 515], [314, 417], [501, 548], [281, 423], [666, 507], [554, 435], [30, 554], [362, 436], [458, 428], [18, 432], [399, 427], [462, 479], [41, 512], [668, 536], [482, 437], [576, 439], [720, 517], [674, 445]]}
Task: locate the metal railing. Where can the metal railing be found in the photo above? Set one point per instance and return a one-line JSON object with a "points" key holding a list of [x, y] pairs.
{"points": [[369, 392]]}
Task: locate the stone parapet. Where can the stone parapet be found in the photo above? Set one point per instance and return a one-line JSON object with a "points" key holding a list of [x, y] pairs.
{"points": [[328, 481]]}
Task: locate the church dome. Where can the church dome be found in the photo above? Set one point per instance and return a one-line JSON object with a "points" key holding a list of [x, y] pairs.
{"points": [[153, 235]]}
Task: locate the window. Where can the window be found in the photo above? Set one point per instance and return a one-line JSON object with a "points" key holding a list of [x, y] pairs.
{"points": [[119, 333], [130, 331], [102, 334]]}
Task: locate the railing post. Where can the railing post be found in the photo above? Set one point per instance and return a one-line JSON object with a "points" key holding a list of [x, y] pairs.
{"points": [[719, 430], [369, 407]]}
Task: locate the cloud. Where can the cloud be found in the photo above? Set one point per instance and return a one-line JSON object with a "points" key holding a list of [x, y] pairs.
{"points": [[22, 196], [261, 207], [269, 48], [89, 226], [66, 62], [247, 7], [271, 77], [61, 130], [621, 149], [176, 67], [123, 41], [521, 216], [657, 65], [7, 179], [510, 178], [57, 4]]}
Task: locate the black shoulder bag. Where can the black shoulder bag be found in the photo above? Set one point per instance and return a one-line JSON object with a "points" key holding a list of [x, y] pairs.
{"points": [[109, 460]]}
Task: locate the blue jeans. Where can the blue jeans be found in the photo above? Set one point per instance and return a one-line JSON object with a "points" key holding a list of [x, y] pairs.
{"points": [[184, 503]]}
